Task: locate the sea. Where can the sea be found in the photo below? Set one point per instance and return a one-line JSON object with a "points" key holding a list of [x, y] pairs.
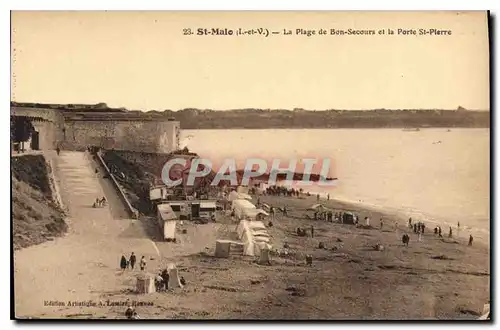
{"points": [[436, 175]]}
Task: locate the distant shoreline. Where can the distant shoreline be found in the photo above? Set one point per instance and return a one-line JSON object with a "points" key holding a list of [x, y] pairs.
{"points": [[329, 128], [286, 119]]}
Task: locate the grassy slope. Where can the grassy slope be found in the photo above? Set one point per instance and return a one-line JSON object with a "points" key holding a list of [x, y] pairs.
{"points": [[35, 216]]}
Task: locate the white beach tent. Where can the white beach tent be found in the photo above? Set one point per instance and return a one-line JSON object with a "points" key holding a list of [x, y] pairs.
{"points": [[244, 196], [254, 236], [233, 195], [244, 209]]}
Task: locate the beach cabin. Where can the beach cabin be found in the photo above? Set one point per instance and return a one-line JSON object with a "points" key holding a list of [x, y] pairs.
{"points": [[202, 209], [243, 209], [207, 209], [181, 209], [348, 218], [157, 194], [167, 220]]}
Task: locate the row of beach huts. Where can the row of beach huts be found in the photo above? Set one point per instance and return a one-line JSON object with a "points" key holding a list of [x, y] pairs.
{"points": [[170, 210]]}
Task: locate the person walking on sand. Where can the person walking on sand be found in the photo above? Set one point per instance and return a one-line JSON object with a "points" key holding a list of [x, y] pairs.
{"points": [[328, 197], [58, 150], [142, 263], [132, 260], [312, 232], [450, 234], [123, 263], [470, 240], [409, 223], [317, 197], [439, 231], [166, 278], [367, 221], [458, 228], [381, 223]]}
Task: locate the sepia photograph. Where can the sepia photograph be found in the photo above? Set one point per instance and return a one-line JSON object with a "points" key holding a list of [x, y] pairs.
{"points": [[250, 165]]}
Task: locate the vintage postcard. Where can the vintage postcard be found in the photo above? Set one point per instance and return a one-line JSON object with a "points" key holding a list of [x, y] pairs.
{"points": [[250, 165]]}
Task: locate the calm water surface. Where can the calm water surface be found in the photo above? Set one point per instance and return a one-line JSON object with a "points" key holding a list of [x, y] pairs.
{"points": [[432, 174]]}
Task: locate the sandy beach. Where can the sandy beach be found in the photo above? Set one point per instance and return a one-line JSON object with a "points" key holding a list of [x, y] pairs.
{"points": [[354, 281]]}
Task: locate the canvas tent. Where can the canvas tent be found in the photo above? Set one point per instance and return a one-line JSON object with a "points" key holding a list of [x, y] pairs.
{"points": [[174, 280], [234, 195], [244, 209], [207, 209], [254, 236], [348, 218], [145, 283]]}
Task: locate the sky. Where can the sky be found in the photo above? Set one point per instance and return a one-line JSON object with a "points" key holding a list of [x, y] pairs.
{"points": [[142, 60]]}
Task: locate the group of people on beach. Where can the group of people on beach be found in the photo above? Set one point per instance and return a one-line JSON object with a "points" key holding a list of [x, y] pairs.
{"points": [[419, 229], [161, 281], [130, 263], [282, 191]]}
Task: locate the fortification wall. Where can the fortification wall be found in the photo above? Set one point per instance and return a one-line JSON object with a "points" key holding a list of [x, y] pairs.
{"points": [[154, 136], [48, 123], [109, 130]]}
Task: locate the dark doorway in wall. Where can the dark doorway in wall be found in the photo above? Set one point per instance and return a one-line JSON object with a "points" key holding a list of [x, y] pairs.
{"points": [[35, 140], [195, 211]]}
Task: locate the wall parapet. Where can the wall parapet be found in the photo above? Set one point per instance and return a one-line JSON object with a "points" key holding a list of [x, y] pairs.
{"points": [[130, 209]]}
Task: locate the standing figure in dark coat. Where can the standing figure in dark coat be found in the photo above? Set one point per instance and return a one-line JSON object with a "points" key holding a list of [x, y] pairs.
{"points": [[470, 240], [123, 263], [132, 260], [166, 277], [405, 239]]}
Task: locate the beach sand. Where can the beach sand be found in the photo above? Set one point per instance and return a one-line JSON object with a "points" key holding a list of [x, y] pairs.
{"points": [[353, 282]]}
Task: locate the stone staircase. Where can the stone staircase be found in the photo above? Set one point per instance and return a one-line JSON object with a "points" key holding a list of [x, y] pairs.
{"points": [[79, 187]]}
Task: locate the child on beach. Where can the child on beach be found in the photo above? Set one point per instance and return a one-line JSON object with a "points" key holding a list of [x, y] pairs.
{"points": [[142, 263]]}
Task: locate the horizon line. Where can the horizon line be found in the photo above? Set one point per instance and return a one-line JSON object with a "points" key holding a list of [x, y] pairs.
{"points": [[90, 105]]}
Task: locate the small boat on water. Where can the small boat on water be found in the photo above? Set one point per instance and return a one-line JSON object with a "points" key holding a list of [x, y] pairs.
{"points": [[416, 129]]}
